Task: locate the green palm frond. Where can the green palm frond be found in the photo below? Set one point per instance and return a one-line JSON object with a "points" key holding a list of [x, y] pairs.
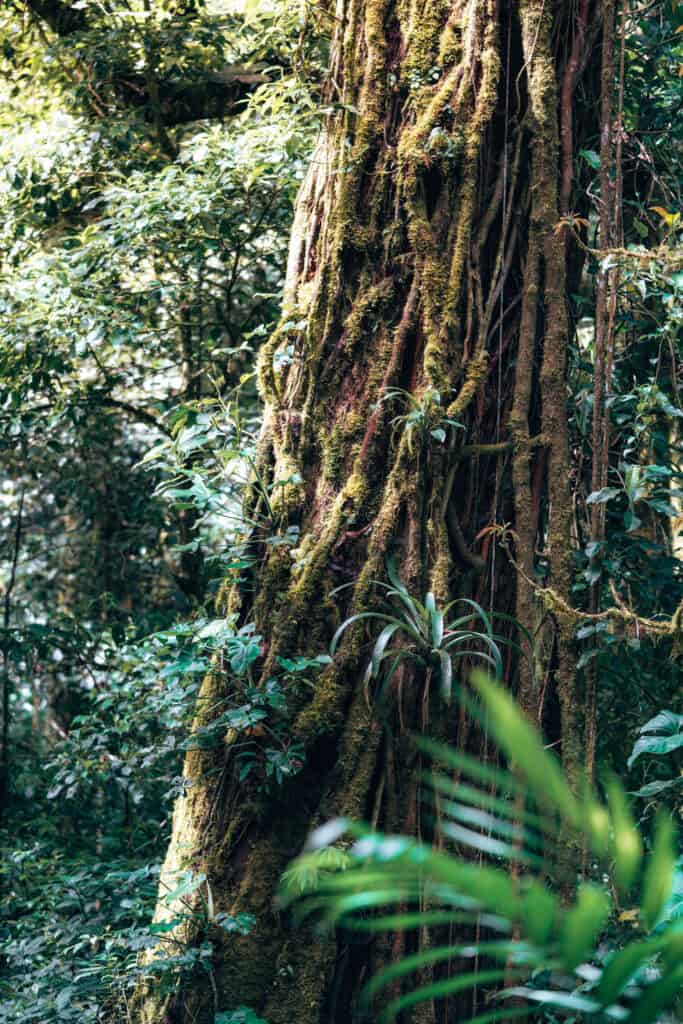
{"points": [[526, 932]]}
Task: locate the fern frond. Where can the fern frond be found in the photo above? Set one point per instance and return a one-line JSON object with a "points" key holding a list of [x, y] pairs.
{"points": [[511, 815]]}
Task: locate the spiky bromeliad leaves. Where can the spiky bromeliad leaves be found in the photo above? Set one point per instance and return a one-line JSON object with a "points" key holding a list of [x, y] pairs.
{"points": [[422, 633], [523, 939]]}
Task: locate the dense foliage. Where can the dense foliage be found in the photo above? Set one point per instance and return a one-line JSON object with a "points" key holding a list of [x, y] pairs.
{"points": [[141, 265], [149, 161]]}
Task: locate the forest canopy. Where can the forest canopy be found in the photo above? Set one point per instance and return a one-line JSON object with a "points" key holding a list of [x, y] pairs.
{"points": [[341, 572]]}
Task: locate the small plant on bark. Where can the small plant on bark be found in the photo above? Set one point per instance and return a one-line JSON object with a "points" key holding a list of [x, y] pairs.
{"points": [[430, 639], [424, 413]]}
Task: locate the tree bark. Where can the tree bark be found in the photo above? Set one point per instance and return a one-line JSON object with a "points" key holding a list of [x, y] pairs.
{"points": [[426, 255]]}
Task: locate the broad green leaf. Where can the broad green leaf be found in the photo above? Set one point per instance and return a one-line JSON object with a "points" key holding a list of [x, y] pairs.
{"points": [[350, 621], [189, 884], [621, 967], [539, 913], [659, 870], [381, 645], [420, 919], [672, 947], [488, 844], [571, 1001], [437, 628], [597, 822], [667, 722], [490, 887], [658, 997], [482, 798], [446, 675], [591, 157], [499, 1015], [328, 833], [440, 990], [655, 788], [521, 742], [370, 899], [481, 818], [495, 779], [626, 842], [603, 495], [242, 1015], [416, 961], [655, 745], [583, 924]]}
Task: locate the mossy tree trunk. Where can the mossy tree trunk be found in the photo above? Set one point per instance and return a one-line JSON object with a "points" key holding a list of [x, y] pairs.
{"points": [[428, 255]]}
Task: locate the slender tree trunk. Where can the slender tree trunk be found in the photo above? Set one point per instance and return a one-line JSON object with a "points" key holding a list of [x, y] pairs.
{"points": [[6, 676], [426, 255]]}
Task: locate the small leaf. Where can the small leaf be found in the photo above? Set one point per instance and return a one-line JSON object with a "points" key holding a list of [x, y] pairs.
{"points": [[189, 884], [655, 788], [603, 495], [242, 1015], [591, 158]]}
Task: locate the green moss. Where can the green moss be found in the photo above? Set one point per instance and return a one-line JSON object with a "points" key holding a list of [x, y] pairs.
{"points": [[442, 563], [273, 579], [475, 376], [304, 969], [450, 44], [423, 33]]}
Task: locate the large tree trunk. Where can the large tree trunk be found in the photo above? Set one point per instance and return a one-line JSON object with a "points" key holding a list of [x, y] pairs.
{"points": [[426, 255]]}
